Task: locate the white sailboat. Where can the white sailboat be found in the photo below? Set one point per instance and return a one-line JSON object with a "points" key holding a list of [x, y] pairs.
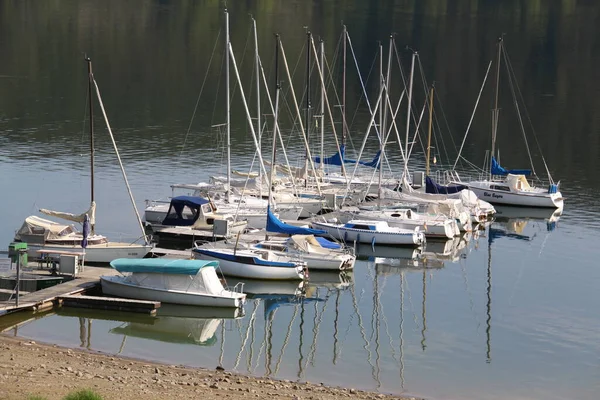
{"points": [[510, 187], [48, 237], [372, 232]]}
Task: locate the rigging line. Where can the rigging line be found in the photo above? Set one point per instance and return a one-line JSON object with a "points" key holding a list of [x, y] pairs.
{"points": [[200, 94], [139, 220], [511, 84], [362, 84], [529, 120], [473, 114], [427, 98]]}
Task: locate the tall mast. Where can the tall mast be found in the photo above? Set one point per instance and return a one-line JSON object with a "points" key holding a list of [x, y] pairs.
{"points": [[308, 105], [228, 106], [322, 62], [410, 86], [258, 126], [92, 150], [383, 132], [496, 111], [345, 33], [429, 134], [275, 125], [381, 127]]}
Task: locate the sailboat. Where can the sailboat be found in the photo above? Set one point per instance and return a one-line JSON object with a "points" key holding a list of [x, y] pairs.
{"points": [[510, 186], [43, 235], [252, 262]]}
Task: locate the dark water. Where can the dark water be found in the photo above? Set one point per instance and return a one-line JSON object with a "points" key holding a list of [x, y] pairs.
{"points": [[512, 315]]}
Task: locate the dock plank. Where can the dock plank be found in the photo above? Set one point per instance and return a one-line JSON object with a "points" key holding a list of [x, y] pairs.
{"points": [[109, 303]]}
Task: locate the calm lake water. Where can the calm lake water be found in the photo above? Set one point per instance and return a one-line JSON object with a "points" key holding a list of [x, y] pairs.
{"points": [[510, 312]]}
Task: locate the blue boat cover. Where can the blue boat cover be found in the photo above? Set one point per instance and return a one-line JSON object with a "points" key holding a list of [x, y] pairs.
{"points": [[274, 225], [497, 169], [432, 187], [337, 158], [327, 244], [161, 265], [176, 216]]}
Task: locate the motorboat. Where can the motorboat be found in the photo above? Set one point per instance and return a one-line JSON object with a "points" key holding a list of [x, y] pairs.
{"points": [[187, 282]]}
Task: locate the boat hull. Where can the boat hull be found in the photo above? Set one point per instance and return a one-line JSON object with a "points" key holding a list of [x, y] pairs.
{"points": [[98, 253], [372, 237], [526, 199], [115, 286], [243, 270]]}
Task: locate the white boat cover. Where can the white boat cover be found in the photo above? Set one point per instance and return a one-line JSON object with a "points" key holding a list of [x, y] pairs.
{"points": [[517, 182], [91, 213], [34, 225], [206, 281]]}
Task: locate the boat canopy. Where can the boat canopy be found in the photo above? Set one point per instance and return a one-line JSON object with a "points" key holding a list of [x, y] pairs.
{"points": [[432, 186], [184, 210], [47, 229], [161, 265], [274, 225], [337, 158], [497, 169], [327, 244], [517, 182]]}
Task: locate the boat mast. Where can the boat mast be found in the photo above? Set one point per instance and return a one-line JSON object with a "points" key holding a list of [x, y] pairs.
{"points": [[345, 33], [410, 87], [258, 126], [383, 132], [429, 134], [228, 106], [308, 105], [276, 126], [322, 62], [92, 150], [496, 110]]}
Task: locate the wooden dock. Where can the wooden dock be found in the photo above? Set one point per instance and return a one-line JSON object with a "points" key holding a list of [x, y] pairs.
{"points": [[109, 303], [45, 298]]}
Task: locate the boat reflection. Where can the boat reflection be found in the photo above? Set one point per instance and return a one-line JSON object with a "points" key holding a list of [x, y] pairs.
{"points": [[366, 251], [504, 213]]}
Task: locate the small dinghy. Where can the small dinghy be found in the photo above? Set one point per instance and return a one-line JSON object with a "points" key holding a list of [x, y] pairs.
{"points": [[189, 282]]}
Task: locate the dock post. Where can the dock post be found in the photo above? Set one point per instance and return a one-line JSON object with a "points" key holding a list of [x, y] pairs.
{"points": [[19, 256]]}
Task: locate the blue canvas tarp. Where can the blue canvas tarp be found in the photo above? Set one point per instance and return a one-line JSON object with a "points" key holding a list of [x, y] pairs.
{"points": [[161, 265], [432, 187], [184, 210], [337, 158], [497, 169], [274, 225]]}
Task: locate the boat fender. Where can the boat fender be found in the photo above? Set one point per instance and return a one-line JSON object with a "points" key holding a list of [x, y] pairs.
{"points": [[358, 238], [373, 244], [345, 236]]}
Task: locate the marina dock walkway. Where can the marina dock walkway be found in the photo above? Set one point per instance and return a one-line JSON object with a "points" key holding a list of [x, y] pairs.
{"points": [[42, 299]]}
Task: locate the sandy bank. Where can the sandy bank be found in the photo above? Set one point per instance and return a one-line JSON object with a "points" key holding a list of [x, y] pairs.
{"points": [[30, 368]]}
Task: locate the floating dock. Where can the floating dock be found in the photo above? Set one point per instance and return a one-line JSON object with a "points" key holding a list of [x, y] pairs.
{"points": [[109, 303]]}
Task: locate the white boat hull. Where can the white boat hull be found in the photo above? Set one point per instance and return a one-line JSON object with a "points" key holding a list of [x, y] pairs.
{"points": [[97, 253], [242, 270], [371, 237], [523, 198], [115, 286]]}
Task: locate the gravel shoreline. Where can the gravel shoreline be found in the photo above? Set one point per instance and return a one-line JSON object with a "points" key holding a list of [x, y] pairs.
{"points": [[29, 368]]}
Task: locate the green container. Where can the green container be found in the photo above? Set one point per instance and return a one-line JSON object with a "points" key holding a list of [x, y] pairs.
{"points": [[13, 252]]}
